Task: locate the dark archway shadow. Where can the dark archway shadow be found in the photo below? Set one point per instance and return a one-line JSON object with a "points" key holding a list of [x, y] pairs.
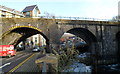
{"points": [[87, 36], [27, 32], [118, 45]]}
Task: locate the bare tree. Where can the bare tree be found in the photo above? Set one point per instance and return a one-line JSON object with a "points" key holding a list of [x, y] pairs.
{"points": [[116, 18], [49, 15]]}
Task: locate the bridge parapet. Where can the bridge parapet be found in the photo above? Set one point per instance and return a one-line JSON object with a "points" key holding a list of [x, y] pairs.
{"points": [[104, 31]]}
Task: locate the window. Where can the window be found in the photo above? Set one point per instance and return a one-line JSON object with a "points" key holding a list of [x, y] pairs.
{"points": [[35, 39], [27, 14], [3, 13], [13, 15]]}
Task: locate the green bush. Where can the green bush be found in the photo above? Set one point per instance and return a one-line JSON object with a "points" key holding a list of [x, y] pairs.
{"points": [[66, 58]]}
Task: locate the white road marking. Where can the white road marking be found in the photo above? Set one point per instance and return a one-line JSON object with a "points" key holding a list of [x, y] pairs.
{"points": [[14, 56], [10, 58], [5, 65], [22, 56], [15, 60]]}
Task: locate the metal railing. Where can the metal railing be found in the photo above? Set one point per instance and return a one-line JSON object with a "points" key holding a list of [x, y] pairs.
{"points": [[74, 18], [60, 17]]}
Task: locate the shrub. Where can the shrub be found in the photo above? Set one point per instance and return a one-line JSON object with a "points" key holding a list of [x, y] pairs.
{"points": [[66, 57]]}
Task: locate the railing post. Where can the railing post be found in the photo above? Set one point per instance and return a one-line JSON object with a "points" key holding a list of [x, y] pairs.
{"points": [[44, 68]]}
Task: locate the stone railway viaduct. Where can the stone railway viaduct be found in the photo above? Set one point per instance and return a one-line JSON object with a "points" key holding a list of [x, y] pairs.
{"points": [[102, 37]]}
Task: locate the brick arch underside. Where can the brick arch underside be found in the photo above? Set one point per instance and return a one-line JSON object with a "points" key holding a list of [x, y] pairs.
{"points": [[27, 32], [85, 34]]}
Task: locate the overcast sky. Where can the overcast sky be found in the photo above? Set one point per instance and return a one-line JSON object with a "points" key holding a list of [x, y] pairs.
{"points": [[102, 9]]}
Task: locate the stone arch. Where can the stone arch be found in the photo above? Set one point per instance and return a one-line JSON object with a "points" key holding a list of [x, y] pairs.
{"points": [[25, 32], [86, 35]]}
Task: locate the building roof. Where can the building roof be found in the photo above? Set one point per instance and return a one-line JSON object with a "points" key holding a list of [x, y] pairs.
{"points": [[29, 8], [10, 10]]}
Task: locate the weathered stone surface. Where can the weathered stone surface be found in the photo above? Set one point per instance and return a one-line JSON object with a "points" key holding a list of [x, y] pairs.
{"points": [[100, 35], [10, 39]]}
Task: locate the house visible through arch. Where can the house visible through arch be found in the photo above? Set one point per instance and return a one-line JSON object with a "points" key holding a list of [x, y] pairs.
{"points": [[24, 33], [86, 35]]}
